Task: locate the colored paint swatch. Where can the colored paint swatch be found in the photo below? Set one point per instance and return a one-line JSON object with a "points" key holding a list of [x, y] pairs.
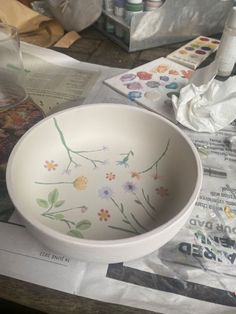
{"points": [[153, 84], [195, 52]]}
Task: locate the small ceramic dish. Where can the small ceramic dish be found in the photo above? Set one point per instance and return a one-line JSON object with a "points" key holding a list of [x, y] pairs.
{"points": [[104, 182]]}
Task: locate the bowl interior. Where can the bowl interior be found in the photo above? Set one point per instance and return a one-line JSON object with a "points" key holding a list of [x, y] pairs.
{"points": [[102, 172]]}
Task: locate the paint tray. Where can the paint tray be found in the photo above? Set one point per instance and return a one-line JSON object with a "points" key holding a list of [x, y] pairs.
{"points": [[152, 85]]}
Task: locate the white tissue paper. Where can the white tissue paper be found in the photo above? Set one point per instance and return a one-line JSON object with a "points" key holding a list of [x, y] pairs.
{"points": [[206, 104]]}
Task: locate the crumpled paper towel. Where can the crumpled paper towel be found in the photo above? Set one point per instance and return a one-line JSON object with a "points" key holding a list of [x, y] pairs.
{"points": [[206, 104]]}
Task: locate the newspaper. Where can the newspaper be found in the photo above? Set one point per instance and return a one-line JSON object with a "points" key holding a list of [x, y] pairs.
{"points": [[194, 272]]}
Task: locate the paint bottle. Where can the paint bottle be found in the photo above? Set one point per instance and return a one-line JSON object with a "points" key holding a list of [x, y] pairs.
{"points": [[132, 9], [108, 5], [119, 7], [226, 54], [119, 11]]}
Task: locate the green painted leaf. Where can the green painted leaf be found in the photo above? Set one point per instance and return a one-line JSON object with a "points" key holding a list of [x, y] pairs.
{"points": [[121, 208], [59, 203], [53, 196], [83, 224], [50, 217], [42, 203], [75, 233], [138, 202], [132, 153], [59, 216]]}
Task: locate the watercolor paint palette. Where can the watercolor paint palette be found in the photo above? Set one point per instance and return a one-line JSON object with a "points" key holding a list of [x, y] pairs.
{"points": [[195, 52], [153, 84]]}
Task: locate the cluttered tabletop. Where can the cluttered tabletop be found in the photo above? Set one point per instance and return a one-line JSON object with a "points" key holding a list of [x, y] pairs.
{"points": [[194, 268]]}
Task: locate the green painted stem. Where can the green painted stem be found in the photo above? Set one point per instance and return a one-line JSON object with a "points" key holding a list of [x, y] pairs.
{"points": [[158, 160], [125, 217], [122, 229], [78, 153], [64, 210], [148, 202]]}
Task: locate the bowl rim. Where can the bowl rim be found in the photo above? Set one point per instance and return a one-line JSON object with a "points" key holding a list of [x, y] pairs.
{"points": [[56, 235]]}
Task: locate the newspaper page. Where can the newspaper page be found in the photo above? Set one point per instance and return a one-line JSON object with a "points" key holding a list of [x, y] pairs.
{"points": [[194, 272], [53, 86]]}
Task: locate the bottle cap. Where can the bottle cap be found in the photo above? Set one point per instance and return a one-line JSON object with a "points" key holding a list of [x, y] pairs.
{"points": [[120, 3], [134, 7]]}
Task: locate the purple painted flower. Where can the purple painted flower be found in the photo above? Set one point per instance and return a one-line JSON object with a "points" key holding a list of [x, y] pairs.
{"points": [[105, 192], [130, 187]]}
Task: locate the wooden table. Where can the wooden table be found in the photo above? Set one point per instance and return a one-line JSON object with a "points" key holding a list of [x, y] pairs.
{"points": [[93, 47]]}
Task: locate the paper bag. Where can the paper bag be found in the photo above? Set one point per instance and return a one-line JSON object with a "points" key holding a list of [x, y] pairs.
{"points": [[33, 27]]}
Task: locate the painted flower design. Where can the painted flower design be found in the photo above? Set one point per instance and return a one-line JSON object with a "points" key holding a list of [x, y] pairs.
{"points": [[125, 159], [130, 187], [50, 165], [135, 174], [162, 191], [80, 183], [103, 215], [83, 209], [105, 192], [110, 176]]}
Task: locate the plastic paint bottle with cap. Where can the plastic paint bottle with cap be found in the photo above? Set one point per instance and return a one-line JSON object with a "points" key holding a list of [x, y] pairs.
{"points": [[119, 7], [226, 54], [119, 11], [131, 9], [108, 5]]}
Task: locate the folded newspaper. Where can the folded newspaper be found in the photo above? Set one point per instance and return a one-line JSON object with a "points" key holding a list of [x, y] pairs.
{"points": [[194, 272]]}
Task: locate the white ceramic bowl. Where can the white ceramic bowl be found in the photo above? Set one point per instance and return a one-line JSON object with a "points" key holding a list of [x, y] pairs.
{"points": [[104, 182]]}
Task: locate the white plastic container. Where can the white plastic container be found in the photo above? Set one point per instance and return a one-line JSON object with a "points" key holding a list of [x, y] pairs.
{"points": [[226, 53]]}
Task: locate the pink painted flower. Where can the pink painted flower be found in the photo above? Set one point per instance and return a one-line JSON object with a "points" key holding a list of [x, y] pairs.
{"points": [[83, 209], [163, 192], [110, 176]]}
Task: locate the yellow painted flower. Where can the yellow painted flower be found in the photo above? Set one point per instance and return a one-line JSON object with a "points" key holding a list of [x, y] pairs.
{"points": [[135, 174], [50, 165], [80, 183]]}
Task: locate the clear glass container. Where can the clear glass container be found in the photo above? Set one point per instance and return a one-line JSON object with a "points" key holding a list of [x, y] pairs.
{"points": [[12, 91]]}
